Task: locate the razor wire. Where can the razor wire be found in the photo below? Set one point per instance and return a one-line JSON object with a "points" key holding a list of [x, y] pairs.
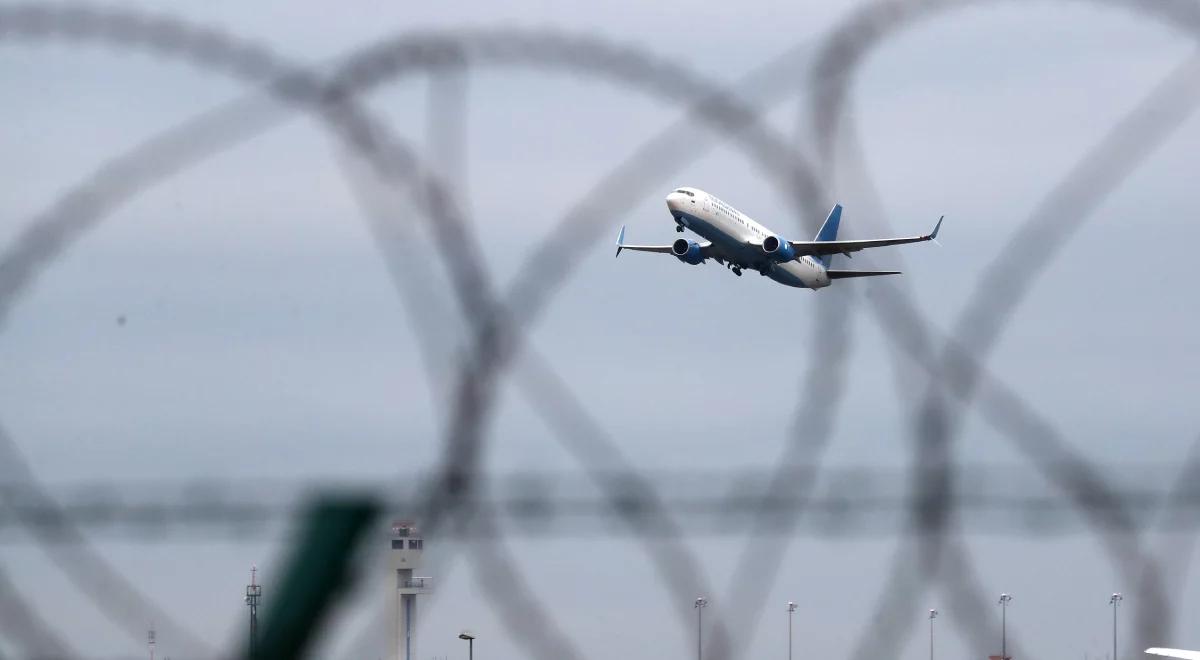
{"points": [[495, 345]]}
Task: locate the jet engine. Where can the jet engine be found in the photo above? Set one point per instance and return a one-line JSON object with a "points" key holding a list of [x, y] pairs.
{"points": [[687, 251], [778, 249]]}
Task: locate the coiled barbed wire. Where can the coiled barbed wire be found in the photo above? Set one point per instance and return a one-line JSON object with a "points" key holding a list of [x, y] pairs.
{"points": [[474, 394], [1000, 288]]}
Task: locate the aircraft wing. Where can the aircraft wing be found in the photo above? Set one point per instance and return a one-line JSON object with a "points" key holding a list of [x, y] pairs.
{"points": [[818, 248], [1175, 653], [705, 247]]}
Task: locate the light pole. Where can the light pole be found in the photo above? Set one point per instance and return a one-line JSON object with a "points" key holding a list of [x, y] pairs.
{"points": [[470, 644], [1114, 601], [701, 603], [932, 615], [1005, 599], [791, 609]]}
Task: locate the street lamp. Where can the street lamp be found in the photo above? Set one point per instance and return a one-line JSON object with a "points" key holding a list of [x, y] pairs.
{"points": [[1005, 599], [1114, 600], [791, 609], [701, 603], [470, 643], [932, 615]]}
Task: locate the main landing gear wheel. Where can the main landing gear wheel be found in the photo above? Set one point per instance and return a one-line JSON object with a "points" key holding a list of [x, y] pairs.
{"points": [[737, 271]]}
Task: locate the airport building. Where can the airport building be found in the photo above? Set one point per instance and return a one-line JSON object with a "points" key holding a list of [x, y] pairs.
{"points": [[404, 560]]}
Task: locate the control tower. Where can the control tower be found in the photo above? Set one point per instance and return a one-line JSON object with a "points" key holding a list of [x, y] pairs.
{"points": [[404, 560]]}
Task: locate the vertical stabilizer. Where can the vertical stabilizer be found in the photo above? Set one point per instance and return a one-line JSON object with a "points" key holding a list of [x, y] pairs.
{"points": [[829, 232]]}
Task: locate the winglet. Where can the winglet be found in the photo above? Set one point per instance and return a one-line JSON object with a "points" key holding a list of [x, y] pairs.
{"points": [[936, 229], [620, 241]]}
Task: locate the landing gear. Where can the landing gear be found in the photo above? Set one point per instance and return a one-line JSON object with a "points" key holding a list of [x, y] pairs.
{"points": [[679, 228], [737, 271]]}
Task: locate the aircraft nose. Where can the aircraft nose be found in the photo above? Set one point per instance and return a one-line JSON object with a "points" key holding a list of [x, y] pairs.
{"points": [[673, 200]]}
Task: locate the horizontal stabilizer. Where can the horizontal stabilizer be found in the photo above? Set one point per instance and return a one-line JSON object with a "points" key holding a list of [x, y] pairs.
{"points": [[843, 274], [1175, 653]]}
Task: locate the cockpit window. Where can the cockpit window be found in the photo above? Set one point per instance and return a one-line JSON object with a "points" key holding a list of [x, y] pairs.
{"points": [[686, 192]]}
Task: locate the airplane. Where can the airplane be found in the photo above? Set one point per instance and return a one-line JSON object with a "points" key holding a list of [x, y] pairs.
{"points": [[738, 242], [1182, 654]]}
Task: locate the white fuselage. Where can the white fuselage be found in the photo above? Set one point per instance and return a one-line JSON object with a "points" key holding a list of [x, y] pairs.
{"points": [[737, 239]]}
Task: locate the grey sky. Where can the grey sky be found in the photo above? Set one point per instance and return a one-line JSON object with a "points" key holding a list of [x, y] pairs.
{"points": [[262, 337]]}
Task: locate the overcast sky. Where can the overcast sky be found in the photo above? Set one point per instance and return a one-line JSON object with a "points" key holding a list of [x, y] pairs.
{"points": [[237, 320]]}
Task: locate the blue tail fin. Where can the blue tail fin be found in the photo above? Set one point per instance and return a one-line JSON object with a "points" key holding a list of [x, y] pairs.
{"points": [[829, 231]]}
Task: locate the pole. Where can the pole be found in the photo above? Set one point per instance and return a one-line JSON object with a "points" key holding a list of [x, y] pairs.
{"points": [[470, 639], [1116, 598], [700, 603], [932, 615], [790, 608], [253, 596], [1004, 600]]}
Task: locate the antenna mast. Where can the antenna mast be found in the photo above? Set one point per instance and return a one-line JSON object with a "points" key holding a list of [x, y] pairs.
{"points": [[253, 595]]}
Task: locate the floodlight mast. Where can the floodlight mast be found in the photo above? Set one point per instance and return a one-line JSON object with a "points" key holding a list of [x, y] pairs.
{"points": [[1005, 599], [932, 615], [1114, 601], [791, 608]]}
